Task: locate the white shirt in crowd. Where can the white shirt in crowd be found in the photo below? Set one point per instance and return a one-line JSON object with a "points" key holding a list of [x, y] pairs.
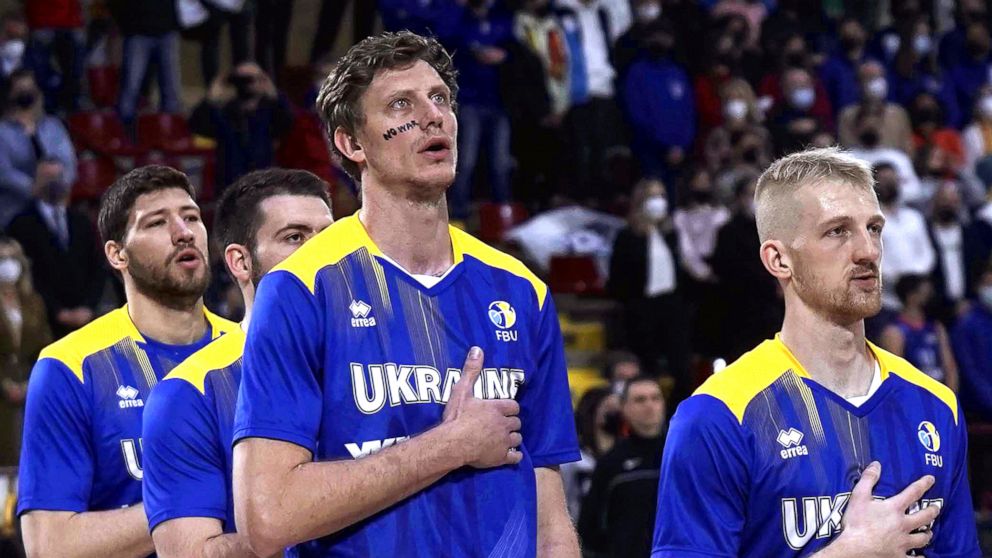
{"points": [[951, 248], [907, 250], [661, 266], [697, 229], [910, 189], [595, 47]]}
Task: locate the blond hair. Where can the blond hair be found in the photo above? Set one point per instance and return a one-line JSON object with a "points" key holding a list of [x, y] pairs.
{"points": [[775, 192]]}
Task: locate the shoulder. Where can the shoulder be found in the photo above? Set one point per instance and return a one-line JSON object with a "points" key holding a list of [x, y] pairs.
{"points": [[471, 247], [217, 355], [901, 368], [338, 241], [98, 335], [738, 384]]}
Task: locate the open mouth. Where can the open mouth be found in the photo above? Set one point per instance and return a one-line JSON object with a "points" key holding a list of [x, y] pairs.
{"points": [[189, 257], [439, 145]]}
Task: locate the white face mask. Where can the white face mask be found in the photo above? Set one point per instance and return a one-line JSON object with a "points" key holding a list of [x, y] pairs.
{"points": [[656, 208], [877, 88], [648, 12], [735, 109], [985, 296], [12, 50], [10, 270], [922, 44], [985, 106], [802, 98]]}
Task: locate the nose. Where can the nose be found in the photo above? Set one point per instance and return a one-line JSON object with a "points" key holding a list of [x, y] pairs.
{"points": [[182, 232], [432, 114], [867, 248]]}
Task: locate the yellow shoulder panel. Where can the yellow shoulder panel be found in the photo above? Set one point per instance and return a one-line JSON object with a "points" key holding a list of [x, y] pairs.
{"points": [[748, 376], [219, 325], [464, 243], [899, 366], [218, 354], [328, 247], [95, 336]]}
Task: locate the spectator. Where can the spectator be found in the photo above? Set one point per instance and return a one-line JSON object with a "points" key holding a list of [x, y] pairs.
{"points": [[644, 278], [887, 40], [424, 17], [597, 421], [23, 333], [657, 98], [930, 128], [794, 122], [751, 297], [272, 20], [723, 62], [64, 253], [953, 45], [621, 366], [915, 72], [150, 30], [480, 51], [806, 17], [628, 46], [894, 129], [868, 146], [245, 114], [962, 248], [972, 342], [740, 141], [907, 243], [839, 72], [594, 123], [972, 70], [13, 43], [363, 18], [977, 139], [618, 513], [27, 136], [237, 16], [936, 167], [916, 336], [57, 31], [754, 14]]}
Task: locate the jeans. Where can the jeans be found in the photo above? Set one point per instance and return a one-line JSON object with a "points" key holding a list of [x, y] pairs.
{"points": [[239, 30], [60, 86], [139, 52], [481, 127]]}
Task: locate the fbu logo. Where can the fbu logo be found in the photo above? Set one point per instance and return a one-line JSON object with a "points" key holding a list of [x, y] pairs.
{"points": [[930, 438], [503, 316]]}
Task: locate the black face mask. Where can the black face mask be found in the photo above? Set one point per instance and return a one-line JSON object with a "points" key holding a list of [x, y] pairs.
{"points": [[242, 86], [869, 138], [702, 196], [945, 215], [851, 44], [927, 115], [887, 193], [750, 156], [795, 59], [977, 49], [25, 99]]}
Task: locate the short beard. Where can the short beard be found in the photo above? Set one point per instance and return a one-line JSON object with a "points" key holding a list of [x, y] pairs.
{"points": [[844, 305], [158, 284]]}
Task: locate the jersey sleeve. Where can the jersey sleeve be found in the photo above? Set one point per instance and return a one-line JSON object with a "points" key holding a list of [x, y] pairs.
{"points": [[547, 423], [184, 469], [280, 396], [57, 459], [955, 534], [704, 483]]}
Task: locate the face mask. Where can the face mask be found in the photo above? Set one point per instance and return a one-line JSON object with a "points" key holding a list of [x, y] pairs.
{"points": [[977, 48], [802, 98], [12, 50], [985, 106], [702, 196], [25, 100], [869, 138], [648, 12], [922, 44], [750, 155], [945, 215], [735, 109], [927, 115], [877, 88], [10, 270], [985, 296], [887, 193], [655, 208], [57, 190], [850, 43]]}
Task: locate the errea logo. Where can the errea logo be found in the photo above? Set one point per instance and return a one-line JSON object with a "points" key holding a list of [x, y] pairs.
{"points": [[129, 397], [360, 314], [790, 440]]}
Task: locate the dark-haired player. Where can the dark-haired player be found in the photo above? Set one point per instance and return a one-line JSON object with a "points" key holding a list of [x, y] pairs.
{"points": [[360, 427], [80, 470], [261, 219]]}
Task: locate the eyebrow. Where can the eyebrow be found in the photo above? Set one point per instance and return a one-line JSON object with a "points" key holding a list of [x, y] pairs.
{"points": [[294, 227], [162, 210]]}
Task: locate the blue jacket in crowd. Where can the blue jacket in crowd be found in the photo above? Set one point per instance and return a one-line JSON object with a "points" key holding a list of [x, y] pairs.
{"points": [[658, 99], [902, 90], [478, 83], [425, 17], [840, 78], [972, 341], [967, 77]]}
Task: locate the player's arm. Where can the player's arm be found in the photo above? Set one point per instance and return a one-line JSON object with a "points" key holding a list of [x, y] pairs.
{"points": [[283, 498], [892, 340], [555, 534], [56, 474], [199, 537], [947, 358], [955, 533]]}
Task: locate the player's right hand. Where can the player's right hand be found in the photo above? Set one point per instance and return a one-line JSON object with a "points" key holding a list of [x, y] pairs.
{"points": [[882, 528], [487, 431]]}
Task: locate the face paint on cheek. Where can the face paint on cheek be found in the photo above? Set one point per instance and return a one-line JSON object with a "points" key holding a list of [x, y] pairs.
{"points": [[393, 132]]}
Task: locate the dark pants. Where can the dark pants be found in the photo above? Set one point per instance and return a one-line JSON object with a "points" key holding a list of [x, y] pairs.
{"points": [[481, 129], [67, 48], [537, 150], [239, 30], [593, 128], [658, 333], [272, 35], [331, 14]]}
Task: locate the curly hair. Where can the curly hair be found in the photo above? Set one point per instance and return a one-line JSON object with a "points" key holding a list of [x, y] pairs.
{"points": [[339, 101]]}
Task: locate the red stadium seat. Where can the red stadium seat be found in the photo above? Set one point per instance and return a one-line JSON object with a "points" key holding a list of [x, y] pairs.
{"points": [[94, 175], [104, 82], [166, 132], [98, 131], [575, 275], [497, 218]]}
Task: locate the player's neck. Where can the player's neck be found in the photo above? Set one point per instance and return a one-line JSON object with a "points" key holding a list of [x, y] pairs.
{"points": [[165, 324], [834, 355], [413, 234]]}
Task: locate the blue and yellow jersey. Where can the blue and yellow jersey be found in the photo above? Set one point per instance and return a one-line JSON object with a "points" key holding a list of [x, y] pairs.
{"points": [[761, 460], [82, 447], [348, 354], [187, 436]]}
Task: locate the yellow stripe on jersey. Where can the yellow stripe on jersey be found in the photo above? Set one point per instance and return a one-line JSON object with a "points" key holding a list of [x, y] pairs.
{"points": [[347, 236], [219, 354], [902, 368], [106, 331]]}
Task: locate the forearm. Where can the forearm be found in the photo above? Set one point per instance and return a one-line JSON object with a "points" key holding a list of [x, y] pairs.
{"points": [[105, 534], [315, 499], [232, 545], [555, 534]]}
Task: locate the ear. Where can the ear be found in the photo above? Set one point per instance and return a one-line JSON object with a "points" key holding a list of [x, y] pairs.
{"points": [[349, 146], [238, 261], [116, 255], [775, 259]]}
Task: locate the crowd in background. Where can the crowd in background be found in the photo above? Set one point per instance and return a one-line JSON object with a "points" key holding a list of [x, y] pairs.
{"points": [[663, 112]]}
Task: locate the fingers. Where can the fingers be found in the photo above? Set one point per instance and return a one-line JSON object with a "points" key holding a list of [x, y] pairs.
{"points": [[508, 407], [922, 519], [919, 540], [912, 493], [513, 423], [470, 373], [516, 439], [513, 457], [865, 485]]}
